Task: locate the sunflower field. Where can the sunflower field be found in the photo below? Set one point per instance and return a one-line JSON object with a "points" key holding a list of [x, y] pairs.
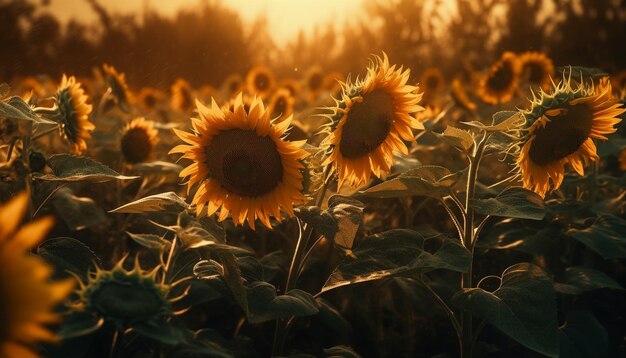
{"points": [[437, 179]]}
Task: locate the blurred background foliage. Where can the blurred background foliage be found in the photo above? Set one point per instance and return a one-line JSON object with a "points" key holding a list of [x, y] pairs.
{"points": [[207, 43]]}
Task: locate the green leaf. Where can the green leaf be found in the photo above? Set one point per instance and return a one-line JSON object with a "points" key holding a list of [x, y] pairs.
{"points": [[513, 203], [605, 236], [69, 168], [162, 331], [457, 138], [265, 305], [157, 167], [67, 254], [582, 336], [340, 352], [79, 324], [523, 307], [426, 180], [77, 212], [399, 252], [581, 279], [16, 108], [168, 201], [150, 241], [535, 238], [234, 281]]}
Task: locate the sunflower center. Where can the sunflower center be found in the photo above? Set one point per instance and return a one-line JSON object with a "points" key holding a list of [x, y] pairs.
{"points": [[136, 145], [563, 135], [262, 81], [501, 78], [244, 163], [367, 124]]}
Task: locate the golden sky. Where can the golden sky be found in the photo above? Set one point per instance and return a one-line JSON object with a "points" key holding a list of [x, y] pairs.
{"points": [[285, 17]]}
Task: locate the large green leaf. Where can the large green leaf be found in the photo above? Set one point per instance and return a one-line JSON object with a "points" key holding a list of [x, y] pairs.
{"points": [[581, 279], [265, 305], [168, 201], [67, 254], [513, 203], [77, 212], [582, 336], [150, 241], [69, 168], [535, 238], [16, 108], [605, 236], [523, 307], [399, 252], [426, 180]]}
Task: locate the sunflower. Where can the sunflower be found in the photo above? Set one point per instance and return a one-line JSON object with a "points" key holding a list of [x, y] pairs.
{"points": [[232, 85], [371, 120], [500, 83], [537, 68], [314, 82], [432, 81], [242, 163], [281, 104], [74, 114], [117, 84], [260, 81], [139, 138], [460, 95], [292, 86], [182, 96], [28, 297], [150, 97], [562, 127]]}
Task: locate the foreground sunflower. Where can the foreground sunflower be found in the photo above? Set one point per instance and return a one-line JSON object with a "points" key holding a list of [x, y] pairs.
{"points": [[500, 83], [242, 163], [260, 81], [74, 114], [562, 127], [27, 296], [139, 138], [537, 68], [370, 122]]}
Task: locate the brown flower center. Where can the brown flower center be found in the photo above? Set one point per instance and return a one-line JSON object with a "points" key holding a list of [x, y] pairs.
{"points": [[562, 135], [136, 145], [262, 81], [244, 163], [501, 79], [367, 124]]}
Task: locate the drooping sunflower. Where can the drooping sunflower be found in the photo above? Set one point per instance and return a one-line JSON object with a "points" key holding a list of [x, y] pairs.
{"points": [[74, 114], [370, 122], [182, 96], [260, 81], [281, 104], [537, 68], [117, 83], [243, 164], [500, 83], [28, 296], [561, 129], [139, 138], [150, 97]]}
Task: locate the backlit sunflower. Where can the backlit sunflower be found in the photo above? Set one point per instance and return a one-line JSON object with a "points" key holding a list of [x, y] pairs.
{"points": [[370, 122], [243, 164], [74, 114], [139, 138], [562, 127], [182, 96], [281, 104], [500, 83], [150, 97], [232, 85], [27, 295], [260, 81], [537, 68], [117, 84], [432, 81], [460, 95]]}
